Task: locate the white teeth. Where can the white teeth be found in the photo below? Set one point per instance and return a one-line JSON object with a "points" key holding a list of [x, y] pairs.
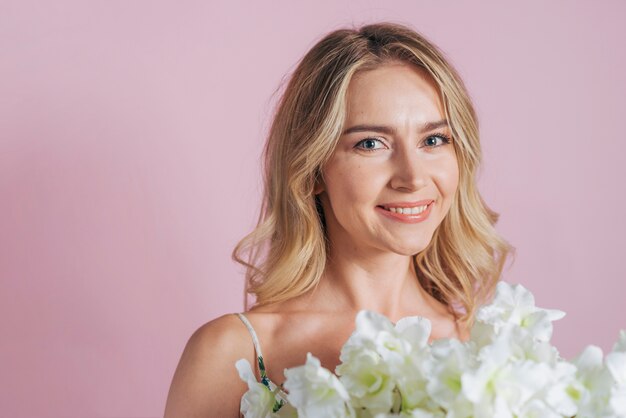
{"points": [[409, 211]]}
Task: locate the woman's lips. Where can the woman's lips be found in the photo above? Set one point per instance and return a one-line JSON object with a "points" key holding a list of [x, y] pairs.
{"points": [[407, 204], [407, 218]]}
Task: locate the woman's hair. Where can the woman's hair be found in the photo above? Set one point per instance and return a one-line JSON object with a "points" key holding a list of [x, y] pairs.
{"points": [[287, 251]]}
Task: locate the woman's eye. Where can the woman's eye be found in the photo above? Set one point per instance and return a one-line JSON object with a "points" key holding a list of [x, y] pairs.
{"points": [[370, 144], [431, 141]]}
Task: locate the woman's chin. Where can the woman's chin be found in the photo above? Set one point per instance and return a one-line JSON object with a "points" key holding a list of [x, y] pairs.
{"points": [[410, 249], [411, 245]]}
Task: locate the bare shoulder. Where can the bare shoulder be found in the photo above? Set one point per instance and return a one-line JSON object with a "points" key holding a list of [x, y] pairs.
{"points": [[206, 382]]}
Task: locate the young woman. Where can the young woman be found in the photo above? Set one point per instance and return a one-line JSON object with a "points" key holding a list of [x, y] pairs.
{"points": [[370, 203]]}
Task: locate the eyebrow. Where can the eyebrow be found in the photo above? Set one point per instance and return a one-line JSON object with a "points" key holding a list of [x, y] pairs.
{"points": [[388, 130]]}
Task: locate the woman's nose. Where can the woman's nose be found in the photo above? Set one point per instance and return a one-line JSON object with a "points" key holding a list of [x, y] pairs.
{"points": [[409, 173]]}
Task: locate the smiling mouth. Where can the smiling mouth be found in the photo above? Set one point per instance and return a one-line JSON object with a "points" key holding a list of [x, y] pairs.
{"points": [[408, 215], [415, 210], [404, 210]]}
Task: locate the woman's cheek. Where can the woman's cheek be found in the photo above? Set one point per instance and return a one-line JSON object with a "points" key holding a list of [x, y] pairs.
{"points": [[447, 173]]}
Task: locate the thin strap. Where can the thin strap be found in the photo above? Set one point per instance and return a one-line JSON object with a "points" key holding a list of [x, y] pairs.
{"points": [[264, 379], [255, 339], [257, 347]]}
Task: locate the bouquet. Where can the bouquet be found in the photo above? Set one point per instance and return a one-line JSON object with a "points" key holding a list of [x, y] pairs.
{"points": [[508, 369]]}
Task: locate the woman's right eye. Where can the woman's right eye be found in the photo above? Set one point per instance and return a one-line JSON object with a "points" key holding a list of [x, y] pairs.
{"points": [[369, 144]]}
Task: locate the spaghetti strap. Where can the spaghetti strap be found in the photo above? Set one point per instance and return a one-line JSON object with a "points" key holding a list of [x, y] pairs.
{"points": [[281, 395], [255, 339], [259, 354]]}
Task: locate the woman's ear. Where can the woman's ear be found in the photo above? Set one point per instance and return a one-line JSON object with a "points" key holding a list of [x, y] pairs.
{"points": [[319, 188], [319, 184]]}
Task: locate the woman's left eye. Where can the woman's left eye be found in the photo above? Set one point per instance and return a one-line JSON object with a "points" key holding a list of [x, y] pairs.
{"points": [[444, 140], [369, 144]]}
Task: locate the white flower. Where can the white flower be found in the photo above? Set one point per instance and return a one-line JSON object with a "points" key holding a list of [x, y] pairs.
{"points": [[620, 345], [258, 401], [617, 401], [382, 364], [557, 392], [414, 329], [412, 394], [482, 334], [538, 409], [515, 305], [505, 380], [616, 365], [416, 413], [315, 392], [601, 386], [450, 359], [393, 343], [508, 369], [529, 370], [367, 378], [593, 387]]}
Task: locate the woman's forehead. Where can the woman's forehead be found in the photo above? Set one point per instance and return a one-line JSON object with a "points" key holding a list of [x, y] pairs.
{"points": [[394, 92]]}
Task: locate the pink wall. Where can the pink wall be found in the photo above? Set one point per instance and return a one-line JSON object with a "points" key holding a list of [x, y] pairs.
{"points": [[130, 134]]}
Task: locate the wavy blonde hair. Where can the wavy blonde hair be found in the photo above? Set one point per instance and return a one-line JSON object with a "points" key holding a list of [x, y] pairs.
{"points": [[286, 253]]}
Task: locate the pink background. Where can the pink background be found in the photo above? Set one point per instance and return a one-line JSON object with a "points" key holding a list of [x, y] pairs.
{"points": [[130, 135]]}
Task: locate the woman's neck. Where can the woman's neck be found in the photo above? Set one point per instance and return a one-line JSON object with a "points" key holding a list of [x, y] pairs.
{"points": [[385, 283]]}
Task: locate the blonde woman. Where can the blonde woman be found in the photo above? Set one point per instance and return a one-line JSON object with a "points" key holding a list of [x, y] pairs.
{"points": [[370, 203]]}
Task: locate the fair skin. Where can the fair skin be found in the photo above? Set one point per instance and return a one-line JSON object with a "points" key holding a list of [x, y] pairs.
{"points": [[387, 154]]}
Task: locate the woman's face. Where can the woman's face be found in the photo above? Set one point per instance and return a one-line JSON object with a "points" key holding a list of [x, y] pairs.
{"points": [[394, 159]]}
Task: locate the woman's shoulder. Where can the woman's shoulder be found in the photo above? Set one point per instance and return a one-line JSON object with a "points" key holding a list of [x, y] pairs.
{"points": [[206, 381], [225, 328], [225, 335]]}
